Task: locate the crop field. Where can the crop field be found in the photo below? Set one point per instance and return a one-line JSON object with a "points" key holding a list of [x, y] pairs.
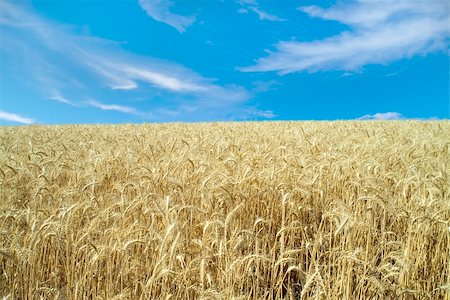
{"points": [[276, 210]]}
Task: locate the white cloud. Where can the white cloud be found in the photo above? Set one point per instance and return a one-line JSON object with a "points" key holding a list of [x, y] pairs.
{"points": [[56, 95], [47, 42], [263, 15], [395, 116], [115, 107], [10, 117], [267, 114], [381, 32], [252, 5], [383, 116], [66, 66], [124, 71], [369, 13], [160, 11], [164, 81]]}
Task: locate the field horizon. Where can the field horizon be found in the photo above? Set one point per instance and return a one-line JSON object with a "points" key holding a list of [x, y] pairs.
{"points": [[226, 210]]}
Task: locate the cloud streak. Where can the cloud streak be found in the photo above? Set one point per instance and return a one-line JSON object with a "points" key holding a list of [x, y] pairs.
{"points": [[383, 116], [252, 5], [10, 117], [113, 107], [63, 65], [160, 11], [55, 95], [380, 32]]}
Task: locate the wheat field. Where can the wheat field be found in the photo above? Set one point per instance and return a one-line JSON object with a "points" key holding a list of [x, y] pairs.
{"points": [[268, 210]]}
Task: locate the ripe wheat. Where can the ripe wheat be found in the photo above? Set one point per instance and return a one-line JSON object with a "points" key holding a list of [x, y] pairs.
{"points": [[287, 210]]}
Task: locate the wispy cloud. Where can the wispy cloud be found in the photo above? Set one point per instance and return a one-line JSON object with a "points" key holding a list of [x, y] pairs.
{"points": [[268, 114], [56, 95], [160, 11], [383, 116], [252, 5], [68, 67], [396, 116], [126, 71], [380, 32], [114, 107], [93, 103], [10, 117]]}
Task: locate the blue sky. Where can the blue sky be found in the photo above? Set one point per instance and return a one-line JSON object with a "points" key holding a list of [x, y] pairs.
{"points": [[136, 61]]}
